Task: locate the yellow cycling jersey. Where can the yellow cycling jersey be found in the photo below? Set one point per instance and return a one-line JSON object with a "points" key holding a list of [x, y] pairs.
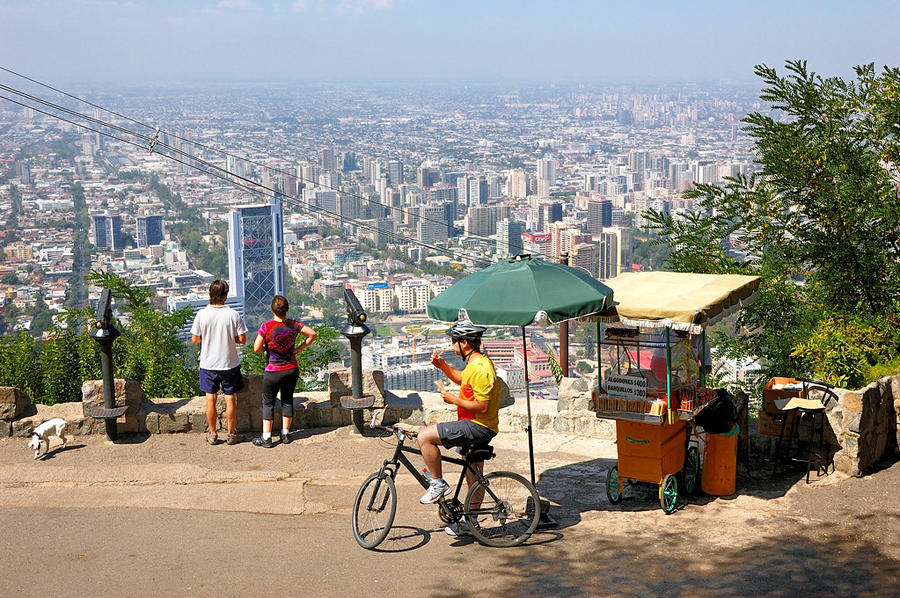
{"points": [[479, 383]]}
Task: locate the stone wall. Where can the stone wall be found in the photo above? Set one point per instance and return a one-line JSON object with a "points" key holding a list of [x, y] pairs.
{"points": [[865, 427], [575, 406], [13, 403]]}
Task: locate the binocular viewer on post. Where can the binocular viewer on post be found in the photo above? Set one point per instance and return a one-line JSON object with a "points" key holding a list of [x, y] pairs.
{"points": [[355, 312]]}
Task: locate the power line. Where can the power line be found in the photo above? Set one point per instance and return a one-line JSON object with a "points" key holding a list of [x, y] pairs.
{"points": [[224, 174], [223, 152]]}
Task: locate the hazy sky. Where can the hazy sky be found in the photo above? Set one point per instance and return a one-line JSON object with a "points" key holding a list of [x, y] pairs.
{"points": [[159, 41]]}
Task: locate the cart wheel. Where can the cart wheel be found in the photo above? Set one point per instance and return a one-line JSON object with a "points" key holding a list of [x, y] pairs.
{"points": [[668, 493], [691, 472], [612, 486]]}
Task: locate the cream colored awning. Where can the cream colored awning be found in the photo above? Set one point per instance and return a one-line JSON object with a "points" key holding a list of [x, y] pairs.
{"points": [[678, 300]]}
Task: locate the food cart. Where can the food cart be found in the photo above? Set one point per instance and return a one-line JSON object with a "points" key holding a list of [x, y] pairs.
{"points": [[652, 381]]}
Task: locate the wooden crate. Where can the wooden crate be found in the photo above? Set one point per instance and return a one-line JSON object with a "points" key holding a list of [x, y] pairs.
{"points": [[770, 425], [770, 395]]}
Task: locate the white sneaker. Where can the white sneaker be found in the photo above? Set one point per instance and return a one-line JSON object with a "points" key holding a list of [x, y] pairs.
{"points": [[435, 491], [458, 529]]}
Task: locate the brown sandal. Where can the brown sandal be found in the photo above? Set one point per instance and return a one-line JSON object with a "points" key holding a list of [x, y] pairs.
{"points": [[212, 439]]}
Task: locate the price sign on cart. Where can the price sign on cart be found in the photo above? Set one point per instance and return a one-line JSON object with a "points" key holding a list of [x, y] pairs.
{"points": [[626, 386]]}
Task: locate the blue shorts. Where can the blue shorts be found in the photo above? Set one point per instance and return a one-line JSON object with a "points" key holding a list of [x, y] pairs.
{"points": [[230, 381]]}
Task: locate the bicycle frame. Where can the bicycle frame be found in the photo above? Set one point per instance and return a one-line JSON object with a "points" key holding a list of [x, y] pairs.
{"points": [[452, 506]]}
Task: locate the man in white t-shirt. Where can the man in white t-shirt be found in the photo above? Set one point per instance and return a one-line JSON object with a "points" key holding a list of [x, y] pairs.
{"points": [[218, 330]]}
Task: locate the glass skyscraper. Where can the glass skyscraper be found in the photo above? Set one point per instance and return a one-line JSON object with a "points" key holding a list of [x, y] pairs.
{"points": [[149, 231], [256, 254]]}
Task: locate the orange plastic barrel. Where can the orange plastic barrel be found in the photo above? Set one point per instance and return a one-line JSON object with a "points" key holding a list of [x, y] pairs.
{"points": [[720, 463]]}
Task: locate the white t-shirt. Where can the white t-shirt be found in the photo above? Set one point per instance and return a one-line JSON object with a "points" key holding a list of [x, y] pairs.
{"points": [[218, 325]]}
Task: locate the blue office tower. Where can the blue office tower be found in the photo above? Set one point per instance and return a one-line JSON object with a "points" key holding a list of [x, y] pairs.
{"points": [[256, 254]]}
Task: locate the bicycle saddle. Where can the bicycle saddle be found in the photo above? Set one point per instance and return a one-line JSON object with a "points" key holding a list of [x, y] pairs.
{"points": [[477, 452]]}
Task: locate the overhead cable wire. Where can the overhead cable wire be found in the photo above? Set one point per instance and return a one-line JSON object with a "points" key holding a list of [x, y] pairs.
{"points": [[228, 176], [225, 153]]}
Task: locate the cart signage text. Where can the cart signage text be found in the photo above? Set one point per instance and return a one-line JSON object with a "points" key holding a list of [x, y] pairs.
{"points": [[626, 386]]}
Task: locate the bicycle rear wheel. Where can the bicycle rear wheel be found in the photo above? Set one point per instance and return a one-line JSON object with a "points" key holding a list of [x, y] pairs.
{"points": [[374, 510], [509, 510]]}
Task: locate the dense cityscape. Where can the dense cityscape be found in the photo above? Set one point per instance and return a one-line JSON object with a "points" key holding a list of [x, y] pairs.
{"points": [[394, 190]]}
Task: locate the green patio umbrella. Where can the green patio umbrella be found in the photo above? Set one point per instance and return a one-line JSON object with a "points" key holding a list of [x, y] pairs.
{"points": [[519, 291]]}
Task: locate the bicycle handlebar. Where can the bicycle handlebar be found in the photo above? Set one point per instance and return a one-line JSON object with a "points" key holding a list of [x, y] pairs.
{"points": [[396, 430]]}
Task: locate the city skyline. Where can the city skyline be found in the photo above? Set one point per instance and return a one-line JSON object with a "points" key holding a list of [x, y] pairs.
{"points": [[243, 40]]}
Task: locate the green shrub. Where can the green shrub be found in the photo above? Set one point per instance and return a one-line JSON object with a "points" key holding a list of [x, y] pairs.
{"points": [[848, 350], [19, 364]]}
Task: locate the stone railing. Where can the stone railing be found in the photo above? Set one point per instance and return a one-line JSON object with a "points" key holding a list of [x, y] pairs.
{"points": [[311, 410], [864, 425]]}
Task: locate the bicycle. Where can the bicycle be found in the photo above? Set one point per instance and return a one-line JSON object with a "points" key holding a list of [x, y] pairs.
{"points": [[499, 509]]}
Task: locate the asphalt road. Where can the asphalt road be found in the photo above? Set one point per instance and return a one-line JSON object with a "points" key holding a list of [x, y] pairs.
{"points": [[169, 515]]}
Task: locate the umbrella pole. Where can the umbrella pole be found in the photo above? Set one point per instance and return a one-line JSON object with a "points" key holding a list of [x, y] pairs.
{"points": [[545, 520], [528, 406]]}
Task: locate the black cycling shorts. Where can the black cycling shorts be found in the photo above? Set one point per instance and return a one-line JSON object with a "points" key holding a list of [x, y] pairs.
{"points": [[464, 432]]}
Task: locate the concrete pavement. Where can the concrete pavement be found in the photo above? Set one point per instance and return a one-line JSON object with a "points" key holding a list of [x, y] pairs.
{"points": [[169, 514]]}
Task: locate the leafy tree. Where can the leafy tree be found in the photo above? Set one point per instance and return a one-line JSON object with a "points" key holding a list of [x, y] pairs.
{"points": [[149, 350], [819, 224], [10, 279], [19, 364], [59, 358], [41, 317]]}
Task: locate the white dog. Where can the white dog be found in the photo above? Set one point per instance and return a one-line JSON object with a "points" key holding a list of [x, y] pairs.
{"points": [[52, 427]]}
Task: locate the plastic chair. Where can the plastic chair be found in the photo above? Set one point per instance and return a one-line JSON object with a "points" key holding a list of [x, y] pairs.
{"points": [[814, 402]]}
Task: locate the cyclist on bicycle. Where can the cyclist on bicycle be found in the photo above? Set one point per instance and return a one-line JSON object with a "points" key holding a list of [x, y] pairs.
{"points": [[476, 404]]}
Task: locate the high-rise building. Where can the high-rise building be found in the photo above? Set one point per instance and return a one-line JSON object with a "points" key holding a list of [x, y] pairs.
{"points": [[330, 180], [256, 254], [478, 191], [558, 244], [552, 212], [481, 221], [395, 173], [451, 213], [599, 216], [538, 244], [99, 221], [427, 176], [615, 252], [495, 186], [432, 225], [638, 160], [584, 256], [509, 237], [349, 162], [328, 201], [462, 189], [150, 231], [308, 173], [23, 171], [114, 233], [236, 166], [441, 192], [543, 188], [517, 184], [326, 159], [546, 169], [374, 171], [108, 232]]}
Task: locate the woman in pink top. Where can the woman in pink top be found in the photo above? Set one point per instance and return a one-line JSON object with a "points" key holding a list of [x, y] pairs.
{"points": [[278, 337]]}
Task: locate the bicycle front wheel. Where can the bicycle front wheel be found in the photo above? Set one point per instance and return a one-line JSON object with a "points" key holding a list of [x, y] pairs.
{"points": [[374, 510], [502, 509]]}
